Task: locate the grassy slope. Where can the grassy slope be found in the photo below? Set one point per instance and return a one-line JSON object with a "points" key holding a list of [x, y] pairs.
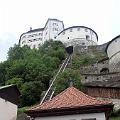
{"points": [[115, 118]]}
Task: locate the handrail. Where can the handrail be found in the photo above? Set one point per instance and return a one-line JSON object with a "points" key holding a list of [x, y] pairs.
{"points": [[55, 78]]}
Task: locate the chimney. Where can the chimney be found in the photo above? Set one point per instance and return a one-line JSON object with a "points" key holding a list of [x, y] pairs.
{"points": [[30, 28]]}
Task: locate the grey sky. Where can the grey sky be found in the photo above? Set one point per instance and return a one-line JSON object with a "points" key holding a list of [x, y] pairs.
{"points": [[16, 16]]}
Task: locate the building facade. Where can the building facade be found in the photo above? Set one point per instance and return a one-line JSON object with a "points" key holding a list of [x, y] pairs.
{"points": [[54, 29], [8, 102], [78, 35], [35, 38]]}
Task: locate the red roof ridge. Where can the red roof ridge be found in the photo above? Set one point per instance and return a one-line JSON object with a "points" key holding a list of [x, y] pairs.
{"points": [[70, 97]]}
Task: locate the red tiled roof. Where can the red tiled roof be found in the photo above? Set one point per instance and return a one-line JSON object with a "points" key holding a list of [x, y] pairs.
{"points": [[69, 98]]}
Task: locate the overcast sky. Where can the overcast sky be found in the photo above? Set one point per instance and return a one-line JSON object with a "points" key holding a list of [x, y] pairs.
{"points": [[17, 16]]}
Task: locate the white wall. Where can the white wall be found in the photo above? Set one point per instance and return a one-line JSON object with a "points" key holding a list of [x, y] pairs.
{"points": [[71, 36], [32, 39], [36, 38], [52, 28], [113, 52], [77, 36], [8, 110], [98, 116]]}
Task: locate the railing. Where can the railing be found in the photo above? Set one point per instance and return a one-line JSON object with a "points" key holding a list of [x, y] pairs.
{"points": [[62, 68]]}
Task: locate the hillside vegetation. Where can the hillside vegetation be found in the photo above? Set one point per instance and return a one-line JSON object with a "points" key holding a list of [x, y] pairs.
{"points": [[32, 69]]}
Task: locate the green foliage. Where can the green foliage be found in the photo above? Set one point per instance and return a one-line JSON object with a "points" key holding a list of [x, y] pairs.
{"points": [[22, 110], [66, 78], [31, 69], [84, 59], [115, 118], [31, 92], [18, 81]]}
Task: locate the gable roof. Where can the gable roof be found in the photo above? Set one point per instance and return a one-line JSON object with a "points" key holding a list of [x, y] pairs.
{"points": [[10, 93], [69, 98]]}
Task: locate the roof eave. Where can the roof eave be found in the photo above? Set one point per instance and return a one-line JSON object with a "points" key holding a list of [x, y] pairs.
{"points": [[70, 111]]}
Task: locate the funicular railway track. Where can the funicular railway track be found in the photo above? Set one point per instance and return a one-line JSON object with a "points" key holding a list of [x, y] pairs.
{"points": [[49, 93]]}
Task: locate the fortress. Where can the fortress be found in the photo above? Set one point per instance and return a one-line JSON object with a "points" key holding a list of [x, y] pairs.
{"points": [[54, 29], [102, 79], [83, 37]]}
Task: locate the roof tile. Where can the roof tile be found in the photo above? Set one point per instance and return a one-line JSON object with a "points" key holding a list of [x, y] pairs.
{"points": [[69, 98]]}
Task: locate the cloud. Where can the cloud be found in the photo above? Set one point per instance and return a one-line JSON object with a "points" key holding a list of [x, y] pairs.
{"points": [[16, 16], [7, 40]]}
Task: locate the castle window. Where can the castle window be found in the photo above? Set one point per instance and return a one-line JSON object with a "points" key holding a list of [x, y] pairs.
{"points": [[40, 34], [68, 37], [55, 29], [78, 29], [87, 37], [115, 40], [97, 78], [71, 30], [85, 77], [63, 33], [86, 30], [83, 43], [23, 37]]}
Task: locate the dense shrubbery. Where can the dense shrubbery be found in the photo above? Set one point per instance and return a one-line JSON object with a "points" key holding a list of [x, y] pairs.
{"points": [[31, 69], [65, 79]]}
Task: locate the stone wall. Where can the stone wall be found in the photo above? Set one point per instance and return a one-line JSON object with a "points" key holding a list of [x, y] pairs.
{"points": [[98, 77]]}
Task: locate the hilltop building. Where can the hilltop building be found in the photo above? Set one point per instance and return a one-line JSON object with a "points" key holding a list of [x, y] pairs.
{"points": [[54, 29], [71, 104]]}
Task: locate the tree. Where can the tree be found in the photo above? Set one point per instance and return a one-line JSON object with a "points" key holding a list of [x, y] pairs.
{"points": [[66, 78], [17, 81], [31, 69], [31, 93]]}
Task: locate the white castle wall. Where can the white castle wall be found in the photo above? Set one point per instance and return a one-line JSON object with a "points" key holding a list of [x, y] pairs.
{"points": [[32, 39], [78, 35], [54, 29], [113, 52], [36, 37]]}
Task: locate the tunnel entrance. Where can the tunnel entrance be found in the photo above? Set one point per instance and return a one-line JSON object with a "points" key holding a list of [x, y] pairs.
{"points": [[69, 49]]}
